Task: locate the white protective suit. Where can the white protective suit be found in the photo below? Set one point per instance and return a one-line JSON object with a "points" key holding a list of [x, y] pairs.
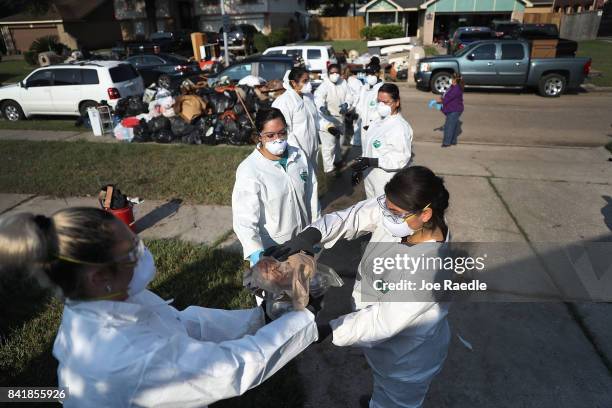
{"points": [[331, 96], [145, 353], [405, 343], [355, 86], [270, 205], [366, 106], [302, 122], [390, 141]]}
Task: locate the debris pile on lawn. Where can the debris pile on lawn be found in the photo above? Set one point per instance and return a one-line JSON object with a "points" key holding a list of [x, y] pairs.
{"points": [[195, 113]]}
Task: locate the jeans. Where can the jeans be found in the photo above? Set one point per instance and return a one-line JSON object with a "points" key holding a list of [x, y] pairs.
{"points": [[451, 128]]}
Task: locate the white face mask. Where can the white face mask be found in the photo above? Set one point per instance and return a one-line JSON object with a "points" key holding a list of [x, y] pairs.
{"points": [[371, 80], [144, 273], [307, 88], [334, 77], [276, 147], [383, 109], [397, 230]]}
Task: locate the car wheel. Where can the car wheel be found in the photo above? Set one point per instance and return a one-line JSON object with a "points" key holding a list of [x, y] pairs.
{"points": [[552, 85], [164, 81], [86, 105], [12, 111], [440, 82]]}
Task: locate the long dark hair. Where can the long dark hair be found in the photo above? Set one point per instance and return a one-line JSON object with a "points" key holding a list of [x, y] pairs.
{"points": [[413, 188]]}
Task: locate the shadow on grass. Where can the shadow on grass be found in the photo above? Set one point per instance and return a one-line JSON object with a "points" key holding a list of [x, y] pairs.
{"points": [[208, 281]]}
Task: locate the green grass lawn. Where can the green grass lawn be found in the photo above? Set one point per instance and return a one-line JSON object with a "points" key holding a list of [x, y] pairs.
{"points": [[601, 52], [14, 71], [196, 174], [190, 274], [43, 124]]}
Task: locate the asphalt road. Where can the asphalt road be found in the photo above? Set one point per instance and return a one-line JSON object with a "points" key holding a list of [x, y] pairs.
{"points": [[510, 117]]}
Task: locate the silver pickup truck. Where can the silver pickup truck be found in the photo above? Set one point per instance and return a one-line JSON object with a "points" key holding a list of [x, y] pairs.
{"points": [[506, 63]]}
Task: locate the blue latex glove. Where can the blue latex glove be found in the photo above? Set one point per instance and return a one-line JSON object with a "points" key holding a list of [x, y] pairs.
{"points": [[432, 103], [254, 257], [438, 106]]}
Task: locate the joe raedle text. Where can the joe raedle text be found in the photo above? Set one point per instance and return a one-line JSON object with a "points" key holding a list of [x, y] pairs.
{"points": [[419, 285]]}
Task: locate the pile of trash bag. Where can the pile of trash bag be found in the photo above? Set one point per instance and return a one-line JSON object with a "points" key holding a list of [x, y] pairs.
{"points": [[194, 113]]}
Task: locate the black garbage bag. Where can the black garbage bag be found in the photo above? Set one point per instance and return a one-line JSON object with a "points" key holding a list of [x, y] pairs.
{"points": [[231, 131], [206, 130], [219, 133], [136, 106], [220, 102], [163, 136], [159, 123], [194, 137], [179, 127], [244, 137], [122, 107], [142, 134]]}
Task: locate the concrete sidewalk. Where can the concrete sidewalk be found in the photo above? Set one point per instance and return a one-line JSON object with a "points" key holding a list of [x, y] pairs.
{"points": [[154, 219]]}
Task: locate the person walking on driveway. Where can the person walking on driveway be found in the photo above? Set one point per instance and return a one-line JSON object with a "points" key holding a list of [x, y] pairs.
{"points": [[452, 107]]}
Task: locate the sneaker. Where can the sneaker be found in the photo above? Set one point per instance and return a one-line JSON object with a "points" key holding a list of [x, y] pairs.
{"points": [[445, 145]]}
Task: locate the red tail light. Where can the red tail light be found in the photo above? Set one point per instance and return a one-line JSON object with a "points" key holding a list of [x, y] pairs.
{"points": [[181, 68], [113, 93], [460, 46], [587, 68]]}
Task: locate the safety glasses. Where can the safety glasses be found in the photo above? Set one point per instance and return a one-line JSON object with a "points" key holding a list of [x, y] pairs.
{"points": [[282, 134], [393, 217]]}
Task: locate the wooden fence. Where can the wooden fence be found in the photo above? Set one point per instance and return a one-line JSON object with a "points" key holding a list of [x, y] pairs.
{"points": [[542, 18], [336, 28]]}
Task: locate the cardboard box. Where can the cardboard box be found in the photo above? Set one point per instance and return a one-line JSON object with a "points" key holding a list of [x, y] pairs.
{"points": [[544, 48]]}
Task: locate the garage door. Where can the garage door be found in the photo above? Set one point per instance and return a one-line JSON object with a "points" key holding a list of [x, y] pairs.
{"points": [[24, 37]]}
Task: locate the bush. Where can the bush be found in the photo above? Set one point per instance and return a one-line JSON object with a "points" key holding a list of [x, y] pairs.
{"points": [[261, 42], [48, 43], [382, 31], [275, 38], [30, 57]]}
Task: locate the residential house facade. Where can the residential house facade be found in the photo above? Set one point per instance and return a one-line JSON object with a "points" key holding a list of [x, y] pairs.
{"points": [[139, 18], [72, 21]]}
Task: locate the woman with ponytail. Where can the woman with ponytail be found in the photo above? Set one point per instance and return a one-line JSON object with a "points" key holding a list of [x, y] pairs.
{"points": [[120, 345], [404, 334]]}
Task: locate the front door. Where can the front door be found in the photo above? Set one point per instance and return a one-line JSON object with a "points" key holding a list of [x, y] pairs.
{"points": [[36, 95], [513, 65], [478, 66]]}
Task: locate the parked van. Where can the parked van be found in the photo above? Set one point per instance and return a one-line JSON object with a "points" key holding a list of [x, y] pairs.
{"points": [[317, 58], [69, 89]]}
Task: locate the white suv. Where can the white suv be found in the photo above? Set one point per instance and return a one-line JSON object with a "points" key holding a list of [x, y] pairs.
{"points": [[316, 57], [69, 89]]}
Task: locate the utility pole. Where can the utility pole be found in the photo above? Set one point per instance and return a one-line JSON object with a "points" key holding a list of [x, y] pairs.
{"points": [[225, 20]]}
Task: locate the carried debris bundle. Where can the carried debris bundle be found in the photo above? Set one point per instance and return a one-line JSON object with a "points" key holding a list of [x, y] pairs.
{"points": [[195, 113]]}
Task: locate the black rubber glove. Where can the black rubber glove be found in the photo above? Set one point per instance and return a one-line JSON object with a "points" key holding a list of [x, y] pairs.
{"points": [[356, 178], [362, 163], [263, 307], [315, 304], [304, 241], [334, 131], [342, 109], [325, 331]]}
